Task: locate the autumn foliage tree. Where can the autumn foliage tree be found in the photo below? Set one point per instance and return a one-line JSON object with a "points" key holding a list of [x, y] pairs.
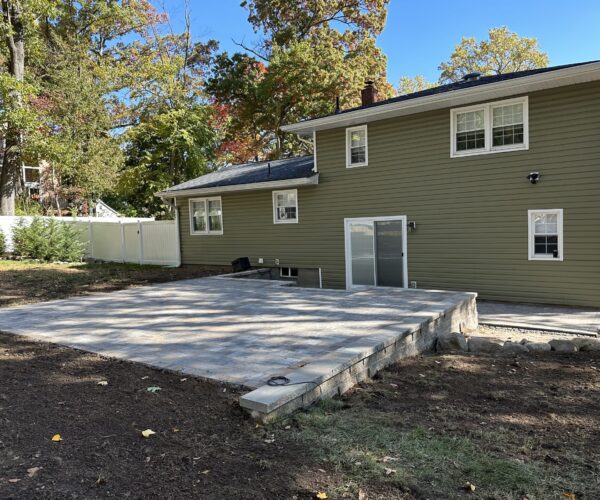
{"points": [[307, 55]]}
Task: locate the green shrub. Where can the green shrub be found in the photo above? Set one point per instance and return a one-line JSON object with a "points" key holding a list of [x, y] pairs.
{"points": [[47, 239], [2, 242]]}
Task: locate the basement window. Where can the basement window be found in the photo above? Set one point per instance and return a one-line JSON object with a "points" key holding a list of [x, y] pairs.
{"points": [[288, 272], [206, 216], [490, 128], [285, 206], [357, 148], [546, 234]]}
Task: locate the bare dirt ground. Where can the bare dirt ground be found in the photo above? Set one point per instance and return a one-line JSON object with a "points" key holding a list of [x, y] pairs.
{"points": [[514, 427], [23, 282]]}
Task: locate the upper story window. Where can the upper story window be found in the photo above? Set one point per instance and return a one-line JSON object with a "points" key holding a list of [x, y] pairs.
{"points": [[546, 234], [490, 128], [285, 206], [206, 216], [357, 148]]}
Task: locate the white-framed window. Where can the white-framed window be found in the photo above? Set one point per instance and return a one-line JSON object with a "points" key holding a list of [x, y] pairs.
{"points": [[357, 147], [490, 128], [288, 272], [546, 234], [285, 206], [206, 215]]}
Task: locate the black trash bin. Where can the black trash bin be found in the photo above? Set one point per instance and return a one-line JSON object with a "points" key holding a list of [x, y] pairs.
{"points": [[241, 264]]}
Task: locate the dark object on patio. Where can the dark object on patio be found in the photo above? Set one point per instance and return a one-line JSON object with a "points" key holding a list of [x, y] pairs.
{"points": [[241, 264]]}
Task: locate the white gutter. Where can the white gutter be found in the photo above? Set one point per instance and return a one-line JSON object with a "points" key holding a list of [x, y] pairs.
{"points": [[541, 81], [286, 183]]}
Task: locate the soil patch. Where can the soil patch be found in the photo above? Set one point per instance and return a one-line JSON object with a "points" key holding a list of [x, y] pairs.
{"points": [[24, 282], [205, 446]]}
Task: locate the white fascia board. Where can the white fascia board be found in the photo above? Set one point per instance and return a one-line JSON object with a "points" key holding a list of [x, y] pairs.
{"points": [[542, 81], [283, 184]]}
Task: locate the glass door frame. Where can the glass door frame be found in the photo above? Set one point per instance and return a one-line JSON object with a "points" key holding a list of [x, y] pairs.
{"points": [[348, 247]]}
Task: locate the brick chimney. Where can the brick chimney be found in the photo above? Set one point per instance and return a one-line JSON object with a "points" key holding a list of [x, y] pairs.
{"points": [[368, 94]]}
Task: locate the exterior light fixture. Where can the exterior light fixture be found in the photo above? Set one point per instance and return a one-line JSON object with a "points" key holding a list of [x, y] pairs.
{"points": [[534, 177]]}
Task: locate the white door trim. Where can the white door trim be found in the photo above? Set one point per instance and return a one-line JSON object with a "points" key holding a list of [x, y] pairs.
{"points": [[347, 245]]}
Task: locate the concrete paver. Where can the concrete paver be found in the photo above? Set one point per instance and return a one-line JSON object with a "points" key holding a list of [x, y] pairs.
{"points": [[232, 330]]}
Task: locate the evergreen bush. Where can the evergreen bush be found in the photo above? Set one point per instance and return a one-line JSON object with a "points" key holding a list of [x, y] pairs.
{"points": [[47, 239], [2, 242]]}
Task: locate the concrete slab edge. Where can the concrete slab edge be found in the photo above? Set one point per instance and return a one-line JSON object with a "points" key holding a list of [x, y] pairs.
{"points": [[340, 370]]}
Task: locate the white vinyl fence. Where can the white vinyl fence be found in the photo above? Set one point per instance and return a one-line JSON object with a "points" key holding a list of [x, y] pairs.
{"points": [[138, 241]]}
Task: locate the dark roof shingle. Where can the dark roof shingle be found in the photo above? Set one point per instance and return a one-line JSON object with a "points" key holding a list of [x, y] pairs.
{"points": [[251, 173]]}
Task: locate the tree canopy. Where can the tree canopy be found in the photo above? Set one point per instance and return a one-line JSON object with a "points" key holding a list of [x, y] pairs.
{"points": [[115, 103], [503, 52]]}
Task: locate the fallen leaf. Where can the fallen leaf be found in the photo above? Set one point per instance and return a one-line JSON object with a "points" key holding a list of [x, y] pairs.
{"points": [[182, 379], [147, 433], [56, 438], [469, 487], [31, 472], [153, 388], [385, 460], [321, 495], [145, 378], [389, 472], [569, 495], [205, 471], [103, 382], [394, 385], [13, 480]]}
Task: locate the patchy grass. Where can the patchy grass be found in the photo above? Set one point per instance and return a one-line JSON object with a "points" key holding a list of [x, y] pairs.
{"points": [[513, 428], [23, 282]]}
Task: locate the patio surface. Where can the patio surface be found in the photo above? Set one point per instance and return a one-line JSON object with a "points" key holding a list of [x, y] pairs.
{"points": [[232, 330], [573, 320]]}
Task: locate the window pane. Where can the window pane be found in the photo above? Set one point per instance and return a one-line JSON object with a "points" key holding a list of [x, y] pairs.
{"points": [[507, 115], [199, 215], [285, 204], [357, 138], [469, 121], [358, 155], [470, 140], [546, 245], [215, 222], [504, 136], [507, 123]]}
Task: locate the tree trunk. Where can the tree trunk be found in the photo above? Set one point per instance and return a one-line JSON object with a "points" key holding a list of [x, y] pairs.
{"points": [[12, 11]]}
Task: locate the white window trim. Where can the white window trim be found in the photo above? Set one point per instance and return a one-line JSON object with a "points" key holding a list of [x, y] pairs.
{"points": [[349, 142], [191, 212], [487, 117], [287, 221], [531, 229]]}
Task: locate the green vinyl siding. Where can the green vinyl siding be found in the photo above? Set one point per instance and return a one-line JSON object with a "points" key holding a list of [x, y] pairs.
{"points": [[471, 212]]}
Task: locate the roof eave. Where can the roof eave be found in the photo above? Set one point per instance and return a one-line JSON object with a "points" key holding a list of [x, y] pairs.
{"points": [[256, 186], [552, 79]]}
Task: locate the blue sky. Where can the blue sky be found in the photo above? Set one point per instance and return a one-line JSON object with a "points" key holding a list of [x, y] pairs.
{"points": [[420, 35]]}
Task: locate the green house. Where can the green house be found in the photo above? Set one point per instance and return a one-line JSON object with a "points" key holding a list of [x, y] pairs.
{"points": [[490, 184]]}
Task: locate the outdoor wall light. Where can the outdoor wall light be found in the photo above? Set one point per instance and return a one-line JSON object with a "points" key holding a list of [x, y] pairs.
{"points": [[534, 177], [412, 226]]}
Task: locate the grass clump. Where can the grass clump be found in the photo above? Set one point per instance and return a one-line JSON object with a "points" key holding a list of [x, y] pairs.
{"points": [[368, 449], [47, 239]]}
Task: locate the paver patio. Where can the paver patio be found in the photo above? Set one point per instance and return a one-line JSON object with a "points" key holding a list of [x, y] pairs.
{"points": [[232, 330]]}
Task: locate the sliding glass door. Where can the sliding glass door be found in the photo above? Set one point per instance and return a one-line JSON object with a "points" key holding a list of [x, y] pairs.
{"points": [[376, 251]]}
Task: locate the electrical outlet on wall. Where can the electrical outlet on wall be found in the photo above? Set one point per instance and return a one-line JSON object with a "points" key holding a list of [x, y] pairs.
{"points": [[261, 260], [413, 284], [276, 262]]}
